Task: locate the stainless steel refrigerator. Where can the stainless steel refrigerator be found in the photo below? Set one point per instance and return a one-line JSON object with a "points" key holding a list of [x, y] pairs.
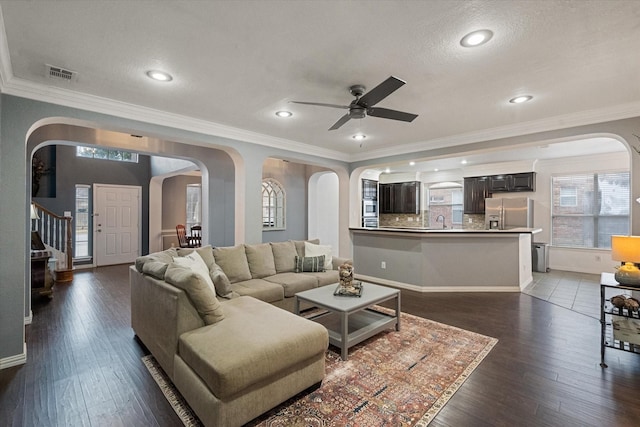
{"points": [[503, 214]]}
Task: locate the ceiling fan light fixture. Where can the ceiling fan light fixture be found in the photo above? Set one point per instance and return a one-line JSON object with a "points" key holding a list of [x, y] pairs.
{"points": [[521, 99], [359, 137], [284, 114], [476, 38], [160, 76]]}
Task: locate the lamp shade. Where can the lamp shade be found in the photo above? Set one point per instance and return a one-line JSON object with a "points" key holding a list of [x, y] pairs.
{"points": [[625, 248]]}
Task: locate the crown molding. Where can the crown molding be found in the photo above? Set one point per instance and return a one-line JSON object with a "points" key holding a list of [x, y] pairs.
{"points": [[582, 118], [5, 60], [64, 97]]}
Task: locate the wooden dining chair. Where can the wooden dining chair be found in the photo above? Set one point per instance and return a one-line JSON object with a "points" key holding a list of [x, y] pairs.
{"points": [[196, 236], [183, 239]]}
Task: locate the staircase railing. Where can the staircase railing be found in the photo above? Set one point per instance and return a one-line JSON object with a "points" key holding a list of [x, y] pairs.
{"points": [[55, 232]]}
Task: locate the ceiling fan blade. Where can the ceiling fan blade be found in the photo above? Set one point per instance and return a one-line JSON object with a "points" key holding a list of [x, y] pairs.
{"points": [[320, 104], [380, 92], [386, 113], [344, 119]]}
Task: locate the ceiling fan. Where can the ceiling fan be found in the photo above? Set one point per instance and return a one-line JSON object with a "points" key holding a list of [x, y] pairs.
{"points": [[364, 103]]}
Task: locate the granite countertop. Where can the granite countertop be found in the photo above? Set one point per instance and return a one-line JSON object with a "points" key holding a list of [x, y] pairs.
{"points": [[518, 230]]}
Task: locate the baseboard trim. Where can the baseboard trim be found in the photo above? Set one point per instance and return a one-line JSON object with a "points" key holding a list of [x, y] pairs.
{"points": [[424, 289], [28, 319], [18, 359]]}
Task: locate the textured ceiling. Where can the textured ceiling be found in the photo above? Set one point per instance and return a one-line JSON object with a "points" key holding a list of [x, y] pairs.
{"points": [[235, 63]]}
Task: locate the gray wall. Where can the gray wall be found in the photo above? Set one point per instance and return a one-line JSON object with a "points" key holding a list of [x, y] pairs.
{"points": [[293, 177], [71, 170]]}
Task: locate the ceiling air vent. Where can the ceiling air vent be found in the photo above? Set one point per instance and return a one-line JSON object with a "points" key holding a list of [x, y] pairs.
{"points": [[60, 73]]}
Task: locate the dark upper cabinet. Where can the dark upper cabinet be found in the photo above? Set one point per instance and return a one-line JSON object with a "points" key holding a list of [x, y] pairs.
{"points": [[476, 189], [369, 189], [385, 198], [513, 182], [400, 197]]}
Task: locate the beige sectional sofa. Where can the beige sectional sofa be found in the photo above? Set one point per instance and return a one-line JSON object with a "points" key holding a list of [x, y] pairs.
{"points": [[229, 341]]}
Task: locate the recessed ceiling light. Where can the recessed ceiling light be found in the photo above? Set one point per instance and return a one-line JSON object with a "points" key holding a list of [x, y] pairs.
{"points": [[359, 137], [160, 76], [521, 99], [284, 113], [387, 170], [412, 163], [436, 170], [476, 38], [464, 162]]}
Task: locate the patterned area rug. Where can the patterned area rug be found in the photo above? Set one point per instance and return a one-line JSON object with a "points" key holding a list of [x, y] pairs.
{"points": [[398, 378]]}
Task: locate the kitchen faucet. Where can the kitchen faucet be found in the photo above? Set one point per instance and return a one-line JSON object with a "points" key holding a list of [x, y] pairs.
{"points": [[438, 220]]}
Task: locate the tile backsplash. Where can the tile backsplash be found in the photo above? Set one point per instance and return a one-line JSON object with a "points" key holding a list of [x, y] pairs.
{"points": [[469, 221]]}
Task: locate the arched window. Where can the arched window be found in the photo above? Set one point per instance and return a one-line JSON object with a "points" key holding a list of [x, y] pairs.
{"points": [[273, 200]]}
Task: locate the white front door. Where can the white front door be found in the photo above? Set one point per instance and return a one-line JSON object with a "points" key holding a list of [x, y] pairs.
{"points": [[116, 223]]}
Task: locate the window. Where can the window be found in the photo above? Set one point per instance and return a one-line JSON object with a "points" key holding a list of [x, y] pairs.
{"points": [[194, 205], [81, 245], [106, 154], [445, 198], [273, 200], [587, 209]]}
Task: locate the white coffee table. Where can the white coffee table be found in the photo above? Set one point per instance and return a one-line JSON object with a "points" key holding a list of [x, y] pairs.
{"points": [[351, 320]]}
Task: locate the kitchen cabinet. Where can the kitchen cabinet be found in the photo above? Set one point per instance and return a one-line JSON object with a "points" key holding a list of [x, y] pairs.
{"points": [[476, 189], [369, 189], [400, 197], [512, 182]]}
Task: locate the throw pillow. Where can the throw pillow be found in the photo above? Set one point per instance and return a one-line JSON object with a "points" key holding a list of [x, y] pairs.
{"points": [[233, 261], [312, 264], [206, 252], [221, 282], [260, 259], [195, 262], [198, 291], [316, 250], [284, 254]]}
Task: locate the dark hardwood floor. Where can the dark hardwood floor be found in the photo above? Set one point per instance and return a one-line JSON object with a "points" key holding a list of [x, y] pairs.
{"points": [[84, 364]]}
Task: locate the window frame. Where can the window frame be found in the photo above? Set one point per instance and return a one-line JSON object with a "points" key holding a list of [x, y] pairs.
{"points": [[273, 214], [196, 218], [595, 202], [82, 151]]}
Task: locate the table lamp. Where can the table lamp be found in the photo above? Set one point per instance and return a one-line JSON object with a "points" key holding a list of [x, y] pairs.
{"points": [[626, 249]]}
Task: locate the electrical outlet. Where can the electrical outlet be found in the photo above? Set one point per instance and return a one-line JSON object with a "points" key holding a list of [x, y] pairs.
{"points": [[383, 265], [470, 220]]}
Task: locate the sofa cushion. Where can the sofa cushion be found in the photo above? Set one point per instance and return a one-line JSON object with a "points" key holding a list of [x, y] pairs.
{"points": [[255, 343], [259, 288], [260, 259], [284, 254], [155, 269], [164, 256], [309, 263], [233, 261], [201, 294], [311, 249], [292, 283], [324, 278], [300, 245]]}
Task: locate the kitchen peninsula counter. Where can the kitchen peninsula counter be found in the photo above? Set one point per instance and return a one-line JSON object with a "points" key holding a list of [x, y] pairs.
{"points": [[449, 260]]}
